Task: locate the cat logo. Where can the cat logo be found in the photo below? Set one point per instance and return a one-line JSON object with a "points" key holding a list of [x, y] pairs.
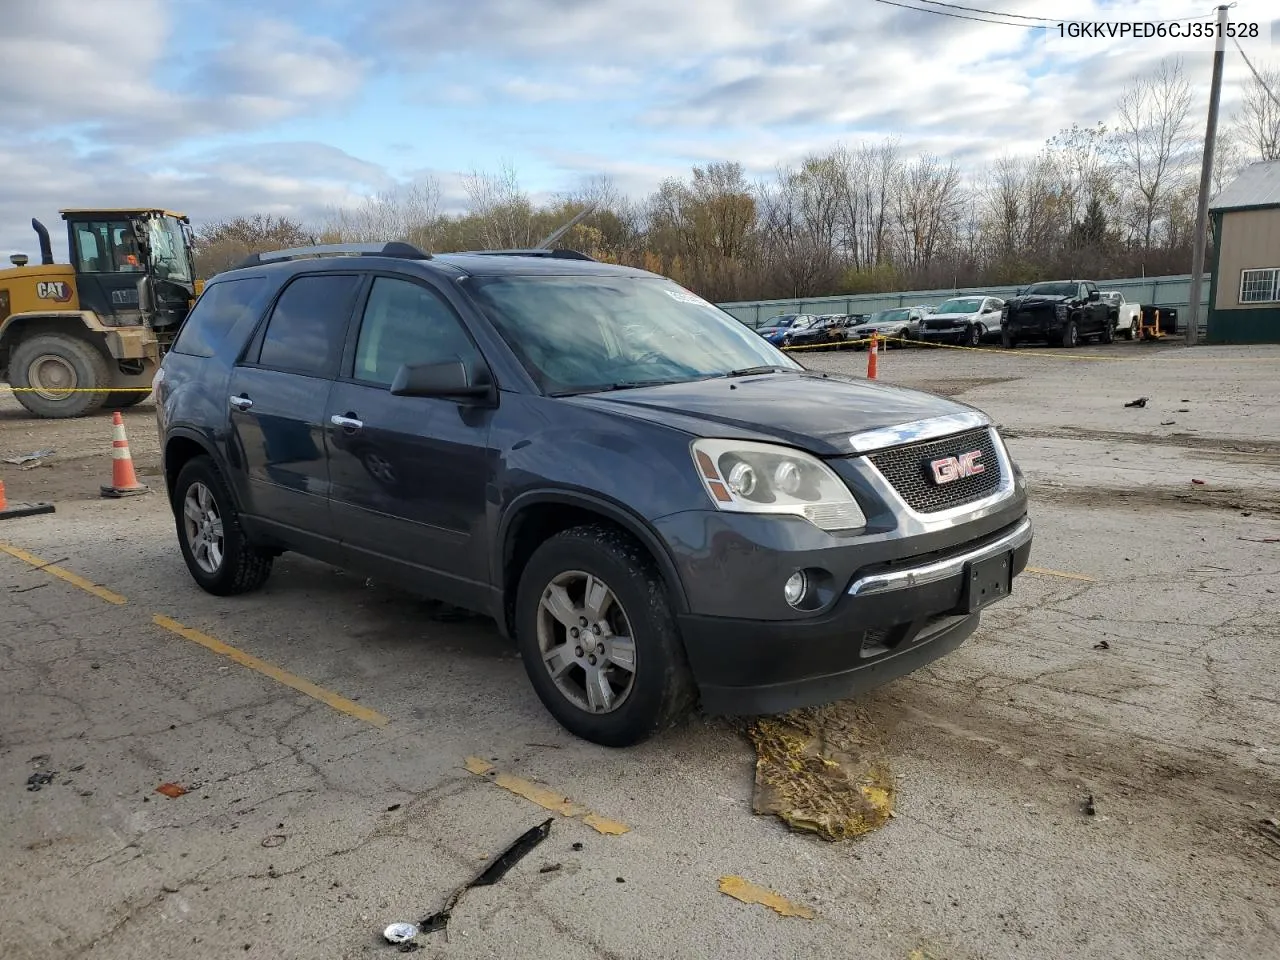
{"points": [[57, 290]]}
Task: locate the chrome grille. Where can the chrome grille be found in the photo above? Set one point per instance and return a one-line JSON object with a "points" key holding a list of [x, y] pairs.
{"points": [[908, 469]]}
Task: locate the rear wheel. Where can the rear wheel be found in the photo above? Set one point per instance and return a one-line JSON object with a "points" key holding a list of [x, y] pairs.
{"points": [[1132, 332], [57, 375], [598, 639], [1108, 333], [218, 553]]}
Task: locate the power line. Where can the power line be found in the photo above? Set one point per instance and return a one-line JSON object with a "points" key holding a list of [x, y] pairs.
{"points": [[1018, 16], [1257, 76], [960, 16]]}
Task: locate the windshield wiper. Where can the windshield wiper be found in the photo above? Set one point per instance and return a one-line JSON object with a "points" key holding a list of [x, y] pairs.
{"points": [[618, 385], [751, 371]]}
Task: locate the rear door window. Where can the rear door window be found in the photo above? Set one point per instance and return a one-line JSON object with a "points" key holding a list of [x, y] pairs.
{"points": [[219, 308], [308, 325]]}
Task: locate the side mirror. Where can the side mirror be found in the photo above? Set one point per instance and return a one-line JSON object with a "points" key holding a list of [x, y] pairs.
{"points": [[1094, 295], [988, 309], [453, 378]]}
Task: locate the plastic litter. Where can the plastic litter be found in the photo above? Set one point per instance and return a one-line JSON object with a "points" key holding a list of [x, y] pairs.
{"points": [[491, 874], [400, 932]]}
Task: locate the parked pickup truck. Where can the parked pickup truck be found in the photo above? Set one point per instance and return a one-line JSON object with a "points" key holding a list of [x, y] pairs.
{"points": [[1125, 316], [1064, 312]]}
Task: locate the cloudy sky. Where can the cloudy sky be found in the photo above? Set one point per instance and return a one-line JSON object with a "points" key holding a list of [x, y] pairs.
{"points": [[220, 107]]}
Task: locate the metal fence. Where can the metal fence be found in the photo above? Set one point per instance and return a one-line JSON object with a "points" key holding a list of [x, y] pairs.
{"points": [[1172, 291]]}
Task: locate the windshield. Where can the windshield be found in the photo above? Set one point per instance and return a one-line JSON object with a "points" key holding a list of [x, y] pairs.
{"points": [[784, 321], [890, 316], [960, 306], [584, 333], [168, 249], [1057, 289]]}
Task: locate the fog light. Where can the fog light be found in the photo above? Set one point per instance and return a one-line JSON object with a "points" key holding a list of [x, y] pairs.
{"points": [[796, 587]]}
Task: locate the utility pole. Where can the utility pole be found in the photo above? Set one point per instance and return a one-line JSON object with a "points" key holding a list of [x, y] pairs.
{"points": [[1206, 181]]}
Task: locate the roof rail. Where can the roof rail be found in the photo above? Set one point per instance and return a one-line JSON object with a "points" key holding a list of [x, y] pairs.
{"points": [[530, 252], [395, 248]]}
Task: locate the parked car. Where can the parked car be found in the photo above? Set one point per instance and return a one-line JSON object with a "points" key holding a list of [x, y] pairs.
{"points": [[779, 330], [963, 320], [826, 329], [1126, 317], [1062, 312], [657, 505], [902, 323]]}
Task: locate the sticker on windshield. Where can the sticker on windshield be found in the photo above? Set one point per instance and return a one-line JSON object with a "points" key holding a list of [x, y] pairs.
{"points": [[684, 296]]}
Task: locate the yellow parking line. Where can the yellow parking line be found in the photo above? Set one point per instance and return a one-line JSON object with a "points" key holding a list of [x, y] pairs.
{"points": [[547, 799], [102, 593], [1061, 573], [280, 675], [748, 892]]}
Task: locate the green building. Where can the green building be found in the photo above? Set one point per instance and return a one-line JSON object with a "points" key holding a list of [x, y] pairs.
{"points": [[1244, 289]]}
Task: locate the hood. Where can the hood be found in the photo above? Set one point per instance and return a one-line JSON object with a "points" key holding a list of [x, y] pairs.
{"points": [[1034, 298], [952, 316], [807, 410], [879, 324]]}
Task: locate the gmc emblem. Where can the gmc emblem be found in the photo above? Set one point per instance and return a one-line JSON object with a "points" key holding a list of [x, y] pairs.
{"points": [[949, 469]]}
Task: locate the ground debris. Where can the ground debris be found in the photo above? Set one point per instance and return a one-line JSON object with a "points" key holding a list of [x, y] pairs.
{"points": [[32, 457], [491, 874], [748, 892], [816, 770], [1140, 402], [172, 790], [1102, 645], [1090, 809], [40, 779], [549, 868]]}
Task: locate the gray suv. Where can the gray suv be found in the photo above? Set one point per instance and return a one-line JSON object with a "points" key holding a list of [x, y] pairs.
{"points": [[659, 506]]}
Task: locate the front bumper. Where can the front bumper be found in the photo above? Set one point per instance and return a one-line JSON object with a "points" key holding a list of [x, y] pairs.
{"points": [[892, 618]]}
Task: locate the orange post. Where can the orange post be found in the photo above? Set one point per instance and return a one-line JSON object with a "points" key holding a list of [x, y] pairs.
{"points": [[873, 356], [9, 511], [124, 482]]}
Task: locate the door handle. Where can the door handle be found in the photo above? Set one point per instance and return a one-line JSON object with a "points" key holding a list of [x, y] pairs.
{"points": [[241, 402], [347, 423]]}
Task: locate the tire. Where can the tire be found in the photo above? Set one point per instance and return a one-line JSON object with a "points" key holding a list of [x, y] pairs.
{"points": [[1108, 334], [975, 335], [76, 363], [656, 691], [1007, 341], [1132, 332], [1071, 334], [242, 567]]}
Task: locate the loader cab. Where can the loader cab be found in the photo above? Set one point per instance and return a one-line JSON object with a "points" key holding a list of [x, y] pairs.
{"points": [[132, 264]]}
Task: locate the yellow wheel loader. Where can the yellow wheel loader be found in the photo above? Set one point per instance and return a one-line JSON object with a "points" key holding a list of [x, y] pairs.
{"points": [[75, 337]]}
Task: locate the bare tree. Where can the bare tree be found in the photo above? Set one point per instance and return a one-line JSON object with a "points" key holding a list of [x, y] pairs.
{"points": [[502, 209], [929, 204], [409, 212], [1256, 122], [1155, 142]]}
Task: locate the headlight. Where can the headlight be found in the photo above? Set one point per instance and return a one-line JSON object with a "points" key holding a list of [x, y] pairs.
{"points": [[1061, 311], [745, 477]]}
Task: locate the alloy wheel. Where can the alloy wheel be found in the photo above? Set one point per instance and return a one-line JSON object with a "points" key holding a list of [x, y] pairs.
{"points": [[586, 642], [203, 526]]}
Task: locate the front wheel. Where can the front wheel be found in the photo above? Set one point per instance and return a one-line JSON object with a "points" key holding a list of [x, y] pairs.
{"points": [[1007, 340], [56, 375], [1071, 334], [219, 555], [598, 639], [976, 333]]}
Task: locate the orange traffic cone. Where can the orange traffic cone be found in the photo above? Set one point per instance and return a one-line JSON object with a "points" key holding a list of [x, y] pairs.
{"points": [[124, 482], [10, 510], [872, 356]]}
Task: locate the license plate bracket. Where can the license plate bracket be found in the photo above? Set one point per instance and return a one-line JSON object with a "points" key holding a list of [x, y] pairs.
{"points": [[987, 581]]}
